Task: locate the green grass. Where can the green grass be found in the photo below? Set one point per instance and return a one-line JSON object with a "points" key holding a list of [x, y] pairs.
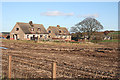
{"points": [[114, 40], [56, 41]]}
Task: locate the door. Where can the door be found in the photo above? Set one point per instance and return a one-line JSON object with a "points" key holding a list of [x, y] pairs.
{"points": [[15, 37]]}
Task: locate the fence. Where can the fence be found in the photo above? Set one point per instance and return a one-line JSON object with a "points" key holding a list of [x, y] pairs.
{"points": [[10, 68], [62, 68]]}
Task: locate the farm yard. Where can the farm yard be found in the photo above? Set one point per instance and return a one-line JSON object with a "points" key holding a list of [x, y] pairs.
{"points": [[73, 60]]}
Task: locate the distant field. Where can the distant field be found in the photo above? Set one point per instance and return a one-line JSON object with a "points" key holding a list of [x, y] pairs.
{"points": [[110, 41], [114, 40], [114, 35]]}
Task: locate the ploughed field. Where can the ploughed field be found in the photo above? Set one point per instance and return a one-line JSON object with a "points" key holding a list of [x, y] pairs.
{"points": [[83, 60]]}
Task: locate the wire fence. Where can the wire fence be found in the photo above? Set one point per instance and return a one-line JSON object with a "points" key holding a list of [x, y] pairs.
{"points": [[17, 66]]}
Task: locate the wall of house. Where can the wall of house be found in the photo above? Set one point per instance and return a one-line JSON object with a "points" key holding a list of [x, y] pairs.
{"points": [[66, 37], [41, 36], [20, 34], [51, 35]]}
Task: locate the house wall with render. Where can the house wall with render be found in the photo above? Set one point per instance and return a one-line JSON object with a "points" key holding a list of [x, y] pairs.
{"points": [[66, 37], [51, 33], [40, 36]]}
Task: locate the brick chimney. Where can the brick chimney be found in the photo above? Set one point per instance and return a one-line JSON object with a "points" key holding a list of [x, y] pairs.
{"points": [[58, 25], [31, 23]]}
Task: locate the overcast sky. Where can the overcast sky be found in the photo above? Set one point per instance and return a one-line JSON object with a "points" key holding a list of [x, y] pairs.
{"points": [[65, 14]]}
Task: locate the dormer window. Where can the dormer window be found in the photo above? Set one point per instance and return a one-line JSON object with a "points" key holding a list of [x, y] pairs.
{"points": [[32, 29], [38, 29], [17, 29], [59, 31]]}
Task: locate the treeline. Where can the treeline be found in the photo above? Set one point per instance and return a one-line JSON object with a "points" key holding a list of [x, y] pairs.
{"points": [[96, 35]]}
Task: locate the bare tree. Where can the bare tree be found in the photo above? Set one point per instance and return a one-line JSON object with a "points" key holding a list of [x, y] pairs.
{"points": [[88, 25]]}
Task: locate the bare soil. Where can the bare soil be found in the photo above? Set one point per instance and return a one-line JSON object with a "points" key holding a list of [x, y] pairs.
{"points": [[74, 60]]}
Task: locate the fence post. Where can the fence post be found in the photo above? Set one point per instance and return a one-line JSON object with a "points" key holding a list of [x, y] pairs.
{"points": [[9, 67], [54, 71]]}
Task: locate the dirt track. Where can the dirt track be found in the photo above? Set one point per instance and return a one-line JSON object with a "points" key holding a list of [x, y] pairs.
{"points": [[33, 60]]}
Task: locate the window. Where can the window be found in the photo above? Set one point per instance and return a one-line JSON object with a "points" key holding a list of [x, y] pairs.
{"points": [[32, 29], [64, 31], [45, 36], [17, 29], [65, 37], [59, 31], [49, 36], [39, 29], [27, 36], [40, 36], [33, 36], [49, 31]]}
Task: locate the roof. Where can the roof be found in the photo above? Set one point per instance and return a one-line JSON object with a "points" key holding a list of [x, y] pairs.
{"points": [[26, 28], [5, 32], [57, 30]]}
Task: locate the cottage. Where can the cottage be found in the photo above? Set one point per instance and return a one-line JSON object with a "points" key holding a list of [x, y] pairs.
{"points": [[58, 33], [28, 31]]}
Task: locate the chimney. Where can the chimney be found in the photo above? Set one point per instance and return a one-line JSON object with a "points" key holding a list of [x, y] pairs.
{"points": [[58, 25], [31, 23]]}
